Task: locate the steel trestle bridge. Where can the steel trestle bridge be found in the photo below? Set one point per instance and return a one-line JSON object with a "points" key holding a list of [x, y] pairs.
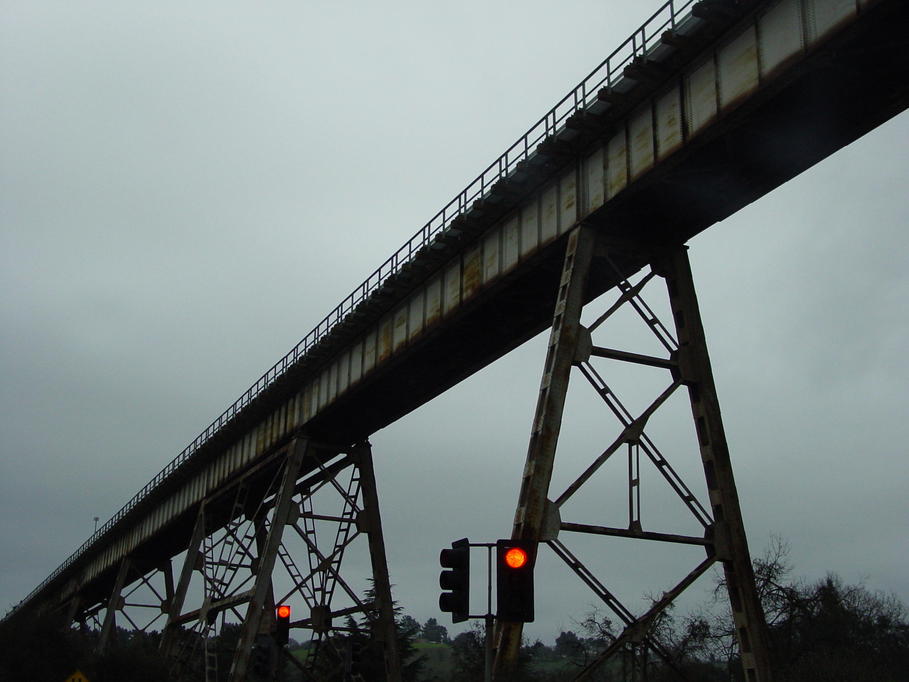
{"points": [[706, 107]]}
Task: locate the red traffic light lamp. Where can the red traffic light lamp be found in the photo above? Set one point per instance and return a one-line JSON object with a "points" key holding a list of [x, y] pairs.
{"points": [[282, 624], [514, 580], [515, 557]]}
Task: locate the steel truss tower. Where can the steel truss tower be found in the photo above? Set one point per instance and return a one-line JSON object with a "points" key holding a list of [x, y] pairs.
{"points": [[538, 516], [246, 544]]}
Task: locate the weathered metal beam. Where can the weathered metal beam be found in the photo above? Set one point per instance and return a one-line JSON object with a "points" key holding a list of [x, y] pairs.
{"points": [[634, 534], [113, 604], [250, 627], [636, 358], [561, 354], [340, 613], [189, 563], [215, 607], [637, 630], [630, 434], [729, 535], [384, 625]]}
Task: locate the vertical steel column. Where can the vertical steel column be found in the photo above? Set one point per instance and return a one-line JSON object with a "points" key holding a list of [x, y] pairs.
{"points": [[729, 533], [175, 607], [261, 527], [384, 626], [113, 603], [267, 621], [266, 563], [167, 568], [560, 356]]}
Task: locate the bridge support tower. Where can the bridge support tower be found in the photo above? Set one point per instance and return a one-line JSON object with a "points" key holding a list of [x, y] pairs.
{"points": [[539, 513], [276, 535]]}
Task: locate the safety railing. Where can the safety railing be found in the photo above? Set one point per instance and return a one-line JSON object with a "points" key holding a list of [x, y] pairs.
{"points": [[667, 18]]}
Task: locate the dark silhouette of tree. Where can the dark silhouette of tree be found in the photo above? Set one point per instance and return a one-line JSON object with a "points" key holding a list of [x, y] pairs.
{"points": [[38, 648], [469, 653], [824, 630], [569, 645], [132, 655], [355, 648], [433, 632], [409, 624], [842, 632]]}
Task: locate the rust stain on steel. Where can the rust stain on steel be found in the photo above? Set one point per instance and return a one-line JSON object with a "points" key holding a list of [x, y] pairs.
{"points": [[701, 91], [344, 378], [415, 314], [260, 439], [738, 62], [369, 352], [530, 227], [617, 168], [386, 337], [433, 301], [356, 363], [399, 336], [307, 402], [594, 174], [780, 36], [550, 217], [669, 123], [451, 294], [568, 191], [511, 243], [491, 252], [473, 271], [640, 132]]}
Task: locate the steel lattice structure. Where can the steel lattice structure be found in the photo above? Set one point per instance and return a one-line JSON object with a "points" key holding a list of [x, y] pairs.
{"points": [[667, 136]]}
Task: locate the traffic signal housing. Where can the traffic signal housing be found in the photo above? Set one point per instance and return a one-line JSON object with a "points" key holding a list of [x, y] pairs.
{"points": [[282, 624], [456, 580], [514, 580]]}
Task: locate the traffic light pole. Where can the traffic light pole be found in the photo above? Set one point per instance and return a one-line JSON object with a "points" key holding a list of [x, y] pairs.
{"points": [[453, 565], [539, 518], [489, 619]]}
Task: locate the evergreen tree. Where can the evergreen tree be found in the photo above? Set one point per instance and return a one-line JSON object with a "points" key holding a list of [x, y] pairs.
{"points": [[433, 632]]}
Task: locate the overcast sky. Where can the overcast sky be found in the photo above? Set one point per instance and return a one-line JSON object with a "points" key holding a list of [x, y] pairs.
{"points": [[187, 188]]}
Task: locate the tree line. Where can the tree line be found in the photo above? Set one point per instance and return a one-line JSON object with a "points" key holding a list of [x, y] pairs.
{"points": [[821, 630]]}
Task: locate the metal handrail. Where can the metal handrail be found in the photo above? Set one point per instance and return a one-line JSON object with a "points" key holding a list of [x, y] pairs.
{"points": [[609, 71]]}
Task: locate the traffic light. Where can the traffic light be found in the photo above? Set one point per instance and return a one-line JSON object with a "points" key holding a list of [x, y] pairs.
{"points": [[456, 580], [282, 625], [514, 580]]}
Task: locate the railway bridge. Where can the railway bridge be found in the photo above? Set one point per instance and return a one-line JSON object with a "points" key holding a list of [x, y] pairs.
{"points": [[709, 105]]}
